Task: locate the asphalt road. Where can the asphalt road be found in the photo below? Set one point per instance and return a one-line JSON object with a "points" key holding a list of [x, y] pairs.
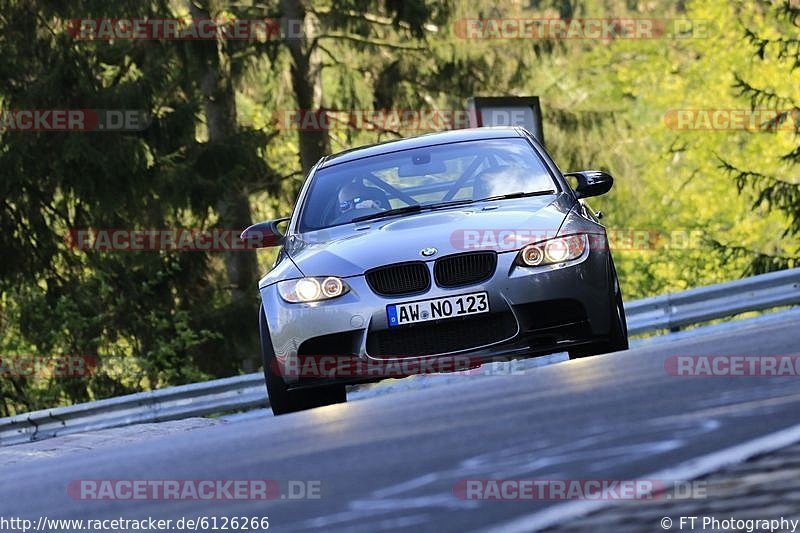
{"points": [[391, 462]]}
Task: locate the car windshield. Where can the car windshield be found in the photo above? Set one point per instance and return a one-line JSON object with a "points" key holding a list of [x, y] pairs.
{"points": [[426, 176]]}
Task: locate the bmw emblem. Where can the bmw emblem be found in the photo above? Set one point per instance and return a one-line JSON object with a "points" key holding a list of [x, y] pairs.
{"points": [[427, 252]]}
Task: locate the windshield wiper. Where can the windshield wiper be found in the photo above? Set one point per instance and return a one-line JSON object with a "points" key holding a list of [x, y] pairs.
{"points": [[518, 194], [396, 211], [414, 208], [448, 204]]}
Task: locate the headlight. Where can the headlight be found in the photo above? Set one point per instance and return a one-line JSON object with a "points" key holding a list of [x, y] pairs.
{"points": [[553, 251], [311, 289]]}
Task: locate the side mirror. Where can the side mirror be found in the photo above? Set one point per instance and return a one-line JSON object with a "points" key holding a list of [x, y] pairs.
{"points": [[264, 234], [591, 182]]}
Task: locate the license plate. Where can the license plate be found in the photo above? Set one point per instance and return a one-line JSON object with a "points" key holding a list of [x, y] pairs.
{"points": [[437, 308]]}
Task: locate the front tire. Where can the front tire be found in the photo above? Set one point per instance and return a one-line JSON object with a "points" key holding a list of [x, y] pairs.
{"points": [[282, 400], [618, 336]]}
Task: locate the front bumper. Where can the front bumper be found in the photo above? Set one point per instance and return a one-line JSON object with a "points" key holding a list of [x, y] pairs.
{"points": [[534, 311]]}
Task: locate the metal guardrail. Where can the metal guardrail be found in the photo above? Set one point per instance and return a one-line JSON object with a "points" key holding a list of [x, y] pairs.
{"points": [[694, 306], [173, 403], [670, 311]]}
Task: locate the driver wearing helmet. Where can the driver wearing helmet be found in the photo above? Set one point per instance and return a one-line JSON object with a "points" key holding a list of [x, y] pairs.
{"points": [[356, 196]]}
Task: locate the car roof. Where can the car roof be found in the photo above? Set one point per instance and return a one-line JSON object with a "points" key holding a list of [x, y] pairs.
{"points": [[428, 139]]}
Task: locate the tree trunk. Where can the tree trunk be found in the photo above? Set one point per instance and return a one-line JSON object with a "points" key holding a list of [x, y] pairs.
{"points": [[233, 207], [306, 79]]}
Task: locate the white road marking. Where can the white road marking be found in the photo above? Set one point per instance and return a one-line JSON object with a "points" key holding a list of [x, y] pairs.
{"points": [[691, 469]]}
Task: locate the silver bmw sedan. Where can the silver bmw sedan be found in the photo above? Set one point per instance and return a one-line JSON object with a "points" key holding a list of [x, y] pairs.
{"points": [[437, 253]]}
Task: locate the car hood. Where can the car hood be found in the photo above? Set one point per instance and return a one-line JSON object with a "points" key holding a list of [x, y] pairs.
{"points": [[351, 249]]}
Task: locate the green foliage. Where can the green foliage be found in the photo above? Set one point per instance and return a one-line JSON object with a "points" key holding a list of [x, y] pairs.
{"points": [[776, 44]]}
